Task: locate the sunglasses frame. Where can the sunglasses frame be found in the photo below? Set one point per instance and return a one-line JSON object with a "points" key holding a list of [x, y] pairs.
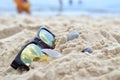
{"points": [[18, 63]]}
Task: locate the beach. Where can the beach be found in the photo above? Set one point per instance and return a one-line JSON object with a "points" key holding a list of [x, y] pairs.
{"points": [[100, 33], [39, 7]]}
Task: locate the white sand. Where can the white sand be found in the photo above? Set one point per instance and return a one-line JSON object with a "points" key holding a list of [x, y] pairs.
{"points": [[102, 34]]}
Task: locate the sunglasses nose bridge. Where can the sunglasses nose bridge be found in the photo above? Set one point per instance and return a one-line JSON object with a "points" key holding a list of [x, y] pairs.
{"points": [[39, 42], [42, 44]]}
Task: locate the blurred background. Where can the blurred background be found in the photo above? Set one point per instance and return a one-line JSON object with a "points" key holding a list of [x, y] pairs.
{"points": [[53, 7]]}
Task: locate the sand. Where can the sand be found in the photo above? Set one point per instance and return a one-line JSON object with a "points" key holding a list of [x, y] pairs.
{"points": [[100, 33]]}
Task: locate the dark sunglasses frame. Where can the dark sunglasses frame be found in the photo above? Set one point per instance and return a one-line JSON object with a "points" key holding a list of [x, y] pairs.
{"points": [[17, 62]]}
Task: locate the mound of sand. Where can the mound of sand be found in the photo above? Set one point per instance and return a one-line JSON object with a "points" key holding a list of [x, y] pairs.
{"points": [[102, 34]]}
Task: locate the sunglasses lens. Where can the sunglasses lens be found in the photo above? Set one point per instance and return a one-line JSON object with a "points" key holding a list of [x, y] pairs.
{"points": [[31, 53], [46, 37]]}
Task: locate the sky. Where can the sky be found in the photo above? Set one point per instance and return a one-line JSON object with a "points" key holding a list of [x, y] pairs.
{"points": [[86, 5]]}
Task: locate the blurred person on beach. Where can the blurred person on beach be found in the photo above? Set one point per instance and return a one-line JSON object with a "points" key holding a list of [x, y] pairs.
{"points": [[71, 2], [22, 6], [80, 2], [61, 5]]}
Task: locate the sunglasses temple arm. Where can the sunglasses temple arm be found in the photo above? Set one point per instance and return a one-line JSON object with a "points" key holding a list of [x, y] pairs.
{"points": [[15, 65]]}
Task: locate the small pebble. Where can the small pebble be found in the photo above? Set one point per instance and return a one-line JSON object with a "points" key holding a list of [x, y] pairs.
{"points": [[89, 50], [72, 35]]}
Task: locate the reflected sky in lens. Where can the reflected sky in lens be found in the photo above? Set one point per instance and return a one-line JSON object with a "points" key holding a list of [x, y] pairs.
{"points": [[46, 37], [30, 53]]}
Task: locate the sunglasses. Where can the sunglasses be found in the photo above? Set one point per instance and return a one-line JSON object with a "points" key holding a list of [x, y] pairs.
{"points": [[32, 51]]}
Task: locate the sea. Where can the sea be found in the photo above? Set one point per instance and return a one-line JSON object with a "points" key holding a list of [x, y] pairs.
{"points": [[52, 7]]}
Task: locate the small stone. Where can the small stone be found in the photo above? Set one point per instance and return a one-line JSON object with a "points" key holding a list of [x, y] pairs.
{"points": [[89, 50], [72, 35]]}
